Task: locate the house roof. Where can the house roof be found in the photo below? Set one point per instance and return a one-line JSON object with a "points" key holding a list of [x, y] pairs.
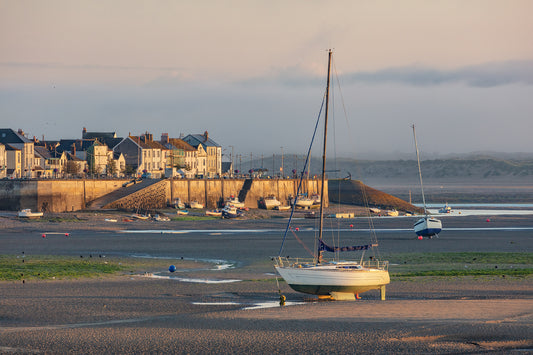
{"points": [[176, 143], [72, 157], [7, 135], [103, 135], [147, 144], [10, 147], [43, 152], [196, 139], [65, 145]]}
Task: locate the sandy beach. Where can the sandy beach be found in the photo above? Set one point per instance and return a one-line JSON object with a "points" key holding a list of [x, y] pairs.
{"points": [[154, 311]]}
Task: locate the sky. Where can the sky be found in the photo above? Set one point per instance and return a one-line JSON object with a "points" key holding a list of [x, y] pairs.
{"points": [[253, 73]]}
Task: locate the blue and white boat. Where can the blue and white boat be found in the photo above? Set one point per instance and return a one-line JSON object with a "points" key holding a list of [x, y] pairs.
{"points": [[426, 226]]}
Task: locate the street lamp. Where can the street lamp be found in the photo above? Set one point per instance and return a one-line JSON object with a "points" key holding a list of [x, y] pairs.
{"points": [[281, 172]]}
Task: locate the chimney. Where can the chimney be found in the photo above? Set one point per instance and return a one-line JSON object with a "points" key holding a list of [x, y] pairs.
{"points": [[206, 136], [83, 132], [148, 137], [74, 149], [164, 138], [21, 132]]}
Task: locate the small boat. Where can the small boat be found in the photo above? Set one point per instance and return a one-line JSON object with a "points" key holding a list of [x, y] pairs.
{"points": [[234, 201], [270, 202], [374, 210], [178, 203], [161, 218], [393, 213], [282, 208], [110, 220], [182, 212], [196, 205], [140, 216], [213, 213], [426, 226], [303, 201], [27, 213], [231, 212], [446, 209]]}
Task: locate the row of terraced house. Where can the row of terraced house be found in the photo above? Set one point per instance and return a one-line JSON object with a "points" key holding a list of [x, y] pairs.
{"points": [[103, 154]]}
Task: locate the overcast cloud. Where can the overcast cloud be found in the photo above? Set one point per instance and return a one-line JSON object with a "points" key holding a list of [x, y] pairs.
{"points": [[253, 73]]}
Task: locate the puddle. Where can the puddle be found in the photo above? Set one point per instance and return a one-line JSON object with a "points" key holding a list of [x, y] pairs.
{"points": [[271, 304], [219, 264], [258, 305], [190, 279]]}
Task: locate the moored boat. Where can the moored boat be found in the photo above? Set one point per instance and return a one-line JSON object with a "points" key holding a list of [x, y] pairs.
{"points": [[27, 213], [231, 212], [333, 279], [270, 202], [426, 226], [234, 201], [213, 213], [196, 205], [393, 213]]}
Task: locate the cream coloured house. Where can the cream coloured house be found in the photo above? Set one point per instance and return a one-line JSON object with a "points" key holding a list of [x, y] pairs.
{"points": [[3, 161], [24, 145]]}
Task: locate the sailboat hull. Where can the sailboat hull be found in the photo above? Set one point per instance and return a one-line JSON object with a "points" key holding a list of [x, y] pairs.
{"points": [[323, 280], [427, 227]]}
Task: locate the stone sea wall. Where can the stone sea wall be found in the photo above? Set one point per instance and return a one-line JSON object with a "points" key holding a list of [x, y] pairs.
{"points": [[74, 195]]}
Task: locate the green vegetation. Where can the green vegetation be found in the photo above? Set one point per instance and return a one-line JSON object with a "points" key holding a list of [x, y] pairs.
{"points": [[47, 267], [460, 264]]}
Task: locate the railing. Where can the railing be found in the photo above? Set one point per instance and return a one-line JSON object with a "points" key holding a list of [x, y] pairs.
{"points": [[306, 262]]}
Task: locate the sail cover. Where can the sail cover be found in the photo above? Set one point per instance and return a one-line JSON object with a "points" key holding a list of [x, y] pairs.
{"points": [[325, 247]]}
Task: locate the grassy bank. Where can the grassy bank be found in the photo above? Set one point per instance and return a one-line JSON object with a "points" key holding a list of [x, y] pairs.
{"points": [[460, 264], [46, 267]]}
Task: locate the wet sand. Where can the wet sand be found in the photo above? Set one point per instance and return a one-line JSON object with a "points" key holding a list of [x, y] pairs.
{"points": [[134, 313]]}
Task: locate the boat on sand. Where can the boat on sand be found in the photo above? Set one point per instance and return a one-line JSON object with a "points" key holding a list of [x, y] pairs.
{"points": [[27, 213], [334, 278]]}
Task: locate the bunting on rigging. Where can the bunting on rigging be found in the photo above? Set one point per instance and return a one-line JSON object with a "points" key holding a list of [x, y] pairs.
{"points": [[324, 247]]}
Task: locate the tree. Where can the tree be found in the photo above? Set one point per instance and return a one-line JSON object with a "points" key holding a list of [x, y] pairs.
{"points": [[129, 170], [72, 167], [111, 167]]}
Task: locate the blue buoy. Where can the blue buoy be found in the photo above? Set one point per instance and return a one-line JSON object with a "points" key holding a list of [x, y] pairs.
{"points": [[171, 268]]}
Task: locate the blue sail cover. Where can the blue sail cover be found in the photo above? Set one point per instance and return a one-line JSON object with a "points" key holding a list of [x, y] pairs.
{"points": [[325, 247]]}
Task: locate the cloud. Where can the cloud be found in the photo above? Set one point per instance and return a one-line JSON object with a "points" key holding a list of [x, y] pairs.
{"points": [[481, 76]]}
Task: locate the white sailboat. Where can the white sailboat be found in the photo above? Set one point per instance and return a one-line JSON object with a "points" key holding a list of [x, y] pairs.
{"points": [[426, 226], [335, 279]]}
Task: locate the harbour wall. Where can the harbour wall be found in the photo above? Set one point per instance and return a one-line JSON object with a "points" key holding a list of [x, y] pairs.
{"points": [[74, 195]]}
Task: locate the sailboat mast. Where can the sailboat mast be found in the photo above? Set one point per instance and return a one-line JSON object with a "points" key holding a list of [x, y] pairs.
{"points": [[419, 171], [321, 221]]}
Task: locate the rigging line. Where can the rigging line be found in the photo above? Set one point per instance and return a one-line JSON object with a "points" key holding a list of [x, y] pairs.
{"points": [[302, 175], [303, 244], [358, 169]]}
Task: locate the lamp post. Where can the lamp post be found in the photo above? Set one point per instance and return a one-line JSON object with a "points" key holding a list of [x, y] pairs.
{"points": [[281, 172], [231, 158]]}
